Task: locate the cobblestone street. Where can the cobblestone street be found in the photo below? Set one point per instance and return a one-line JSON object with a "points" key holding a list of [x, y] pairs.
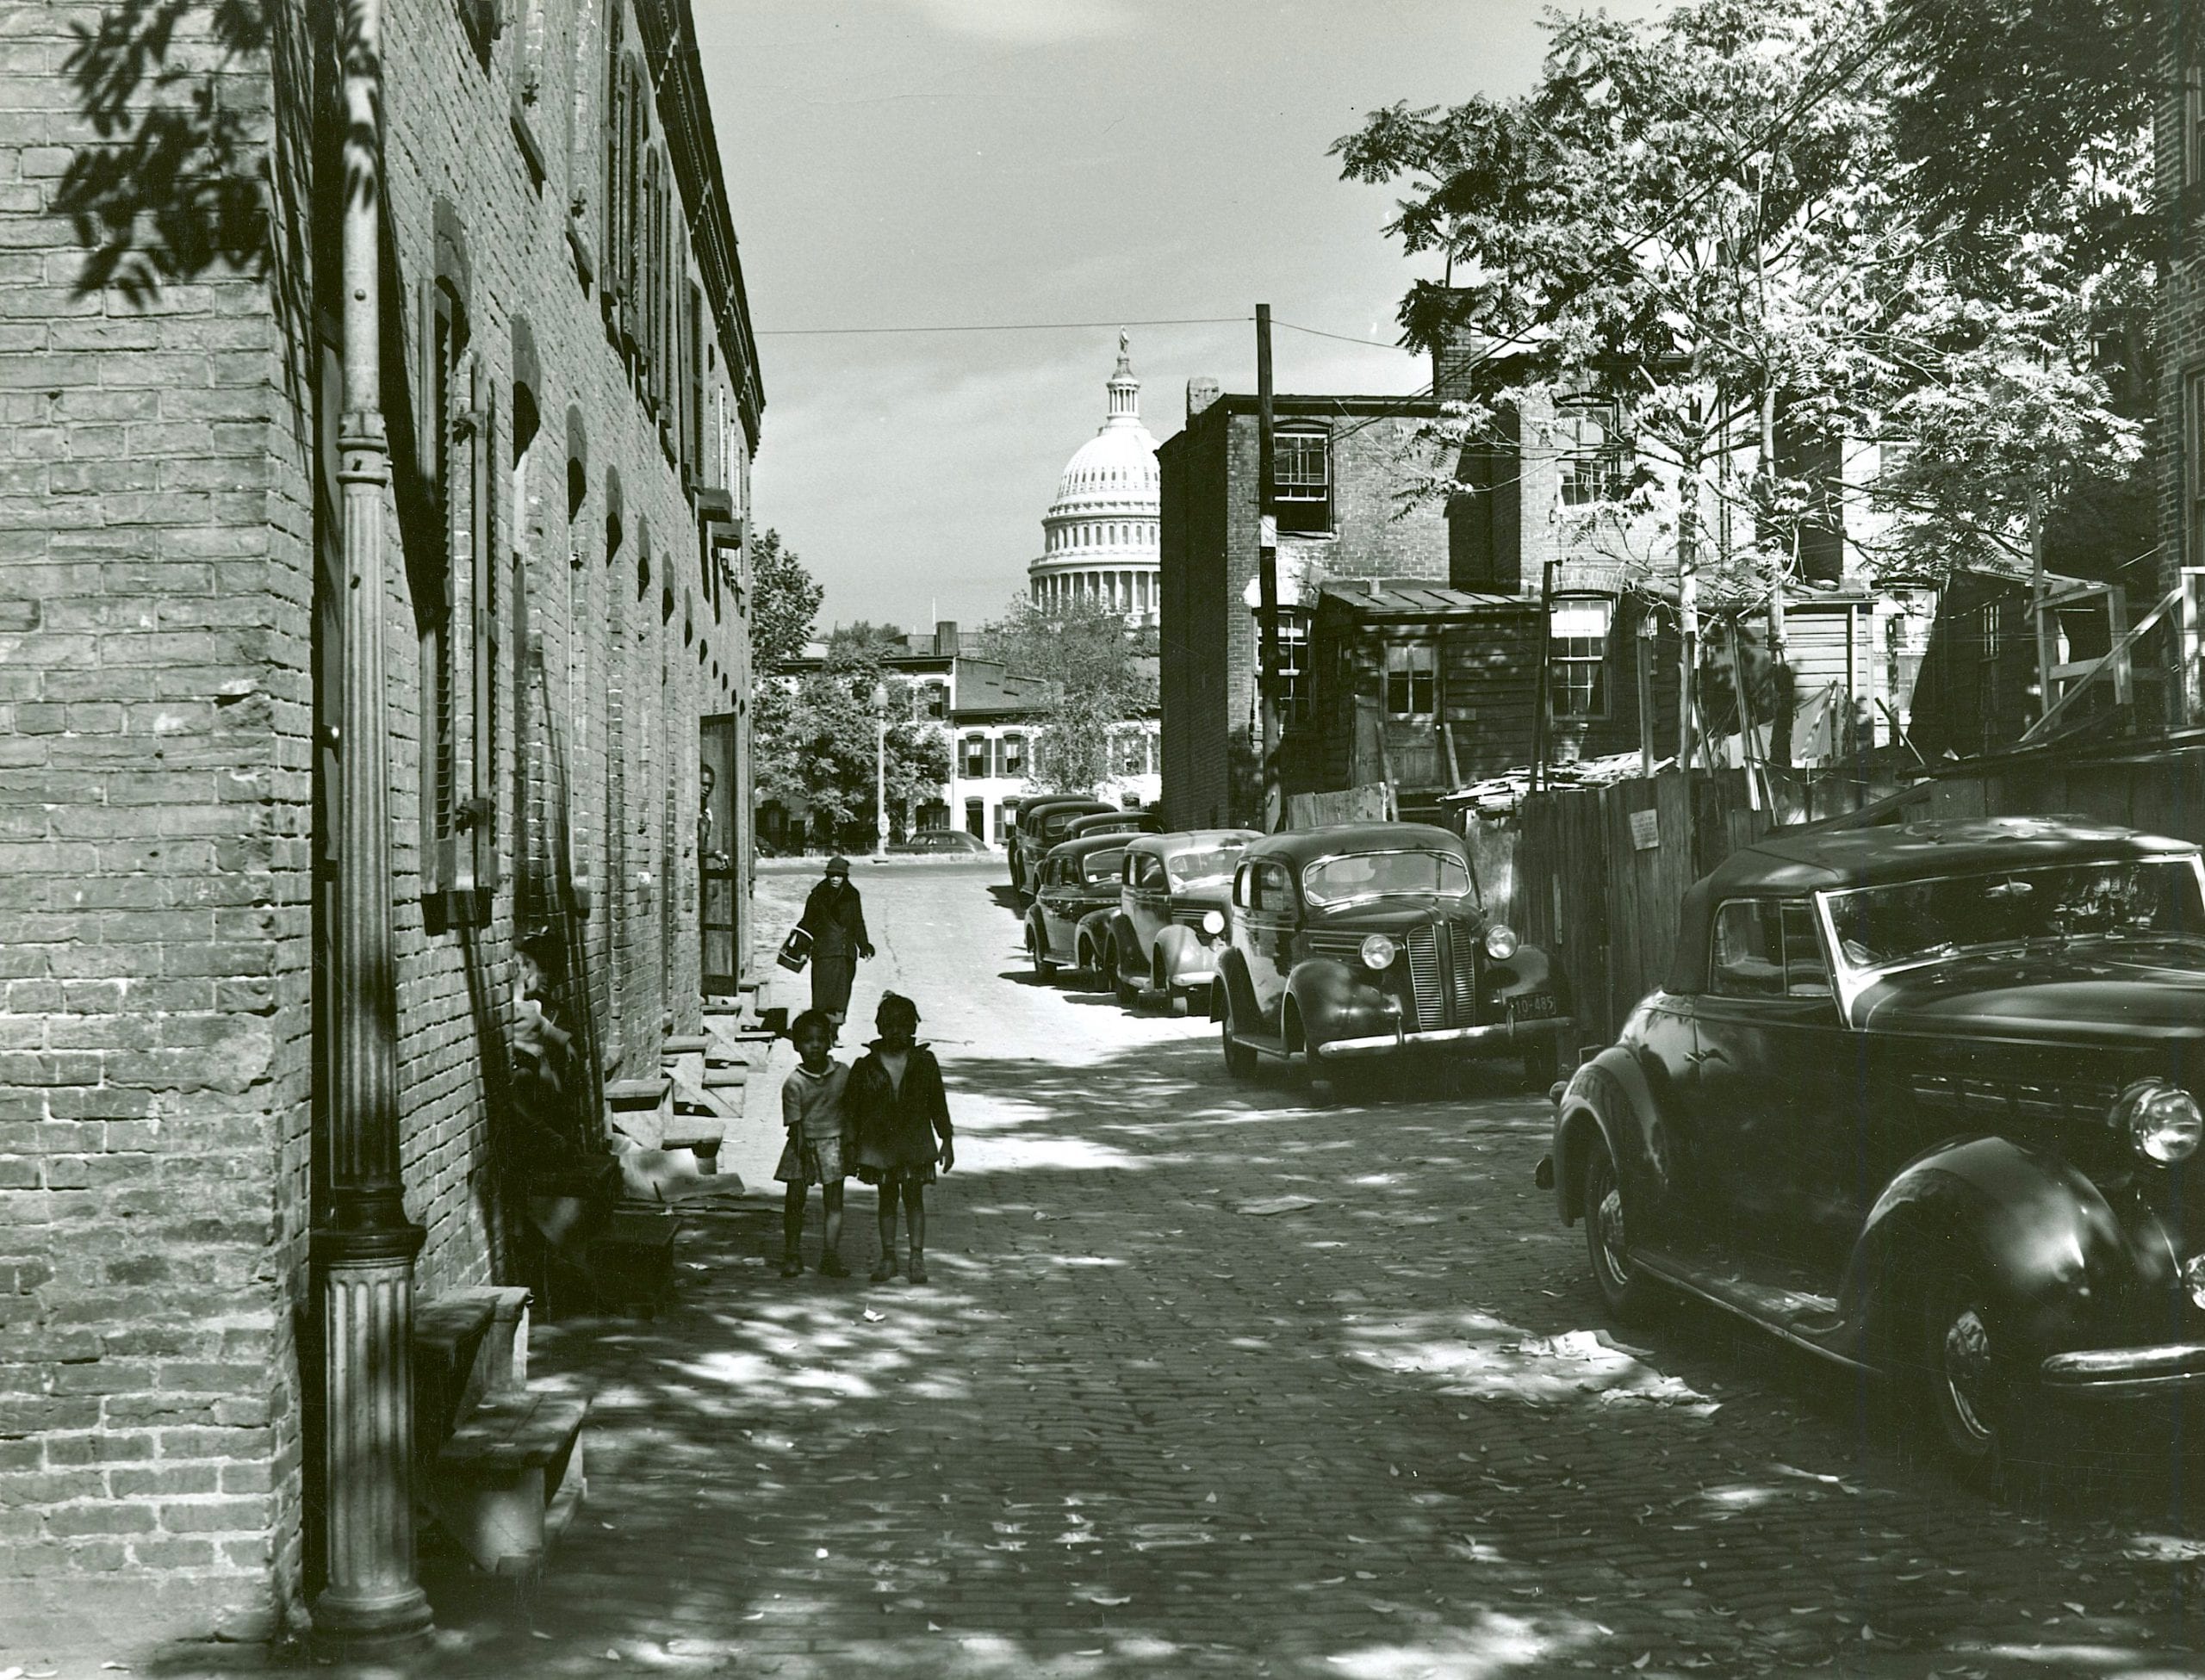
{"points": [[1206, 1381]]}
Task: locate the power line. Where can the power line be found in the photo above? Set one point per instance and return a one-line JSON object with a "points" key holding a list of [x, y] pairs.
{"points": [[995, 326]]}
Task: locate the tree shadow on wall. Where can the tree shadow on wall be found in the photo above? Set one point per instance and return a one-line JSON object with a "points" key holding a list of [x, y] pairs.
{"points": [[177, 181]]}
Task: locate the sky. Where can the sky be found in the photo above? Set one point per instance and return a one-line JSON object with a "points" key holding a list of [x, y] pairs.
{"points": [[963, 163]]}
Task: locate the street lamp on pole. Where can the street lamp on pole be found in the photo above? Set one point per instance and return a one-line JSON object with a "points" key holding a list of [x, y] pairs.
{"points": [[880, 766]]}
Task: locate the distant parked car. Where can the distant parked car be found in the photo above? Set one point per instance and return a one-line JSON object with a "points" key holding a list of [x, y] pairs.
{"points": [[1042, 824], [942, 843], [1167, 929], [1135, 821], [1370, 939], [1922, 1100], [1077, 876]]}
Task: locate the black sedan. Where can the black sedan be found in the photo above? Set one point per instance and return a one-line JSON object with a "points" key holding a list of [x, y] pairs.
{"points": [[1921, 1100]]}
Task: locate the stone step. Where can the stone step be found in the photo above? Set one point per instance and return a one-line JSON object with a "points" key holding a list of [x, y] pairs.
{"points": [[509, 1477]]}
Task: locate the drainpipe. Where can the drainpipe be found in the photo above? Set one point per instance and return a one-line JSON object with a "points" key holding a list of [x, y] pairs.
{"points": [[363, 1243]]}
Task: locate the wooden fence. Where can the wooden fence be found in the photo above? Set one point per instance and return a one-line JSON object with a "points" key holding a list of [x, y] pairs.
{"points": [[1371, 802], [1598, 873]]}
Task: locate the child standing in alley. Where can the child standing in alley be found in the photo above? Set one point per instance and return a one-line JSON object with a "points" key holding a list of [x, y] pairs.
{"points": [[901, 1117], [814, 1111]]}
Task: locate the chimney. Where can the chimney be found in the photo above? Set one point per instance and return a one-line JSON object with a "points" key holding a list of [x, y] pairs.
{"points": [[1201, 394], [945, 637]]}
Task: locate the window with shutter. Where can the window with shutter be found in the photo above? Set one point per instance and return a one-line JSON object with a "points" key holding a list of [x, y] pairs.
{"points": [[443, 331]]}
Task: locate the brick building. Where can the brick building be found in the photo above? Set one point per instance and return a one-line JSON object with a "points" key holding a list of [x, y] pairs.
{"points": [[570, 388], [1342, 463]]}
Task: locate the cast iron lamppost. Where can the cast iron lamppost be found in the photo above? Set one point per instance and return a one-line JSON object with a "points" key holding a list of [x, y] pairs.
{"points": [[363, 1243], [880, 767]]}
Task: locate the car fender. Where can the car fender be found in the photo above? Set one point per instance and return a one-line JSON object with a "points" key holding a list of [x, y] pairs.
{"points": [[1531, 970], [1093, 929], [1173, 946], [1232, 976], [1037, 931], [1126, 939], [1333, 1001], [1610, 1097], [2067, 1263]]}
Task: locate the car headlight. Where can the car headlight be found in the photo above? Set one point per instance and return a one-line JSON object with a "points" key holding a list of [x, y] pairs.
{"points": [[1378, 952], [2162, 1121], [1213, 922], [1500, 942], [2193, 1279]]}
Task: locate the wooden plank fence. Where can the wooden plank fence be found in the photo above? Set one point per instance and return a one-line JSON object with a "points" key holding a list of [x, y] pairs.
{"points": [[1599, 873]]}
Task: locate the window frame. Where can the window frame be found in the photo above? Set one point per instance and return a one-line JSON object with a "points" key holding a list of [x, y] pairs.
{"points": [[1304, 503], [1785, 909], [1408, 674], [1564, 668]]}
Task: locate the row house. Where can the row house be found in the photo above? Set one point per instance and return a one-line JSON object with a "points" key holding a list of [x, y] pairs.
{"points": [[389, 578]]}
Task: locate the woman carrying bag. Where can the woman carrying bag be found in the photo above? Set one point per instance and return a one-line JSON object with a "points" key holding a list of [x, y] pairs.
{"points": [[834, 916]]}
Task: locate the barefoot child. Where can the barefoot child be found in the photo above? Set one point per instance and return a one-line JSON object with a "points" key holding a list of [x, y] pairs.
{"points": [[813, 1110], [901, 1115]]}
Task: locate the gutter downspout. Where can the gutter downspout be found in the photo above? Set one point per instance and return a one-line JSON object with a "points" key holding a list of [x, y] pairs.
{"points": [[364, 1244]]}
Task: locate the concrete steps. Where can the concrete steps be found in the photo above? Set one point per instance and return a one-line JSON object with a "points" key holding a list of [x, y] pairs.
{"points": [[499, 1466]]}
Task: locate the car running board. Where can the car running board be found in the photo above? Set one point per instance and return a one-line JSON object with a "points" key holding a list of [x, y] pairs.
{"points": [[1264, 1044], [1806, 1319]]}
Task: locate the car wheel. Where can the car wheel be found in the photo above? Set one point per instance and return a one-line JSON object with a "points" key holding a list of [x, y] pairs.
{"points": [[1122, 982], [1039, 952], [1239, 1059], [1624, 1288], [1963, 1370]]}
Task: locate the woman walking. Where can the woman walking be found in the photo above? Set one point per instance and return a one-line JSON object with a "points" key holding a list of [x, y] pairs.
{"points": [[834, 917]]}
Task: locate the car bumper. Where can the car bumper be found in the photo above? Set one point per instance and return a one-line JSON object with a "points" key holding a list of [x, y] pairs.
{"points": [[1500, 1039], [2120, 1372]]}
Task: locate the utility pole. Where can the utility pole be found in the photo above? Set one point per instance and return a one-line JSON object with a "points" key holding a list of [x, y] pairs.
{"points": [[1267, 566], [363, 1245]]}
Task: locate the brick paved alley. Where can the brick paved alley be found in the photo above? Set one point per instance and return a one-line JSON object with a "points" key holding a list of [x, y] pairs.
{"points": [[1207, 1381]]}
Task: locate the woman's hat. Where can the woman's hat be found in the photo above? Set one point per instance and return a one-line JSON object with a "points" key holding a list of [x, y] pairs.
{"points": [[838, 865]]}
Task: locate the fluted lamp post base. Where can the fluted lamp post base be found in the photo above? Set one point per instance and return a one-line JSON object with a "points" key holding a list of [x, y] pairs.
{"points": [[372, 1602]]}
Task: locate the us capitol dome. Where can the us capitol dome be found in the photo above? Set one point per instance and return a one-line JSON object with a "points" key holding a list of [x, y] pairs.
{"points": [[1099, 538]]}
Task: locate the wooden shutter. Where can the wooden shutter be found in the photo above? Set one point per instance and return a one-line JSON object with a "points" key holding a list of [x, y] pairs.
{"points": [[482, 495]]}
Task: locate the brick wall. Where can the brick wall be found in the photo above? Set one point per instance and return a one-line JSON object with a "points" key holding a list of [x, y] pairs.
{"points": [[1207, 551], [158, 519]]}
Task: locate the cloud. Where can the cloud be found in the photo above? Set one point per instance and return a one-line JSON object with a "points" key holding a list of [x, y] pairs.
{"points": [[1030, 21]]}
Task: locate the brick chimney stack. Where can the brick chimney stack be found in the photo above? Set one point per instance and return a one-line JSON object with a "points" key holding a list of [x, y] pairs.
{"points": [[1201, 394], [945, 637]]}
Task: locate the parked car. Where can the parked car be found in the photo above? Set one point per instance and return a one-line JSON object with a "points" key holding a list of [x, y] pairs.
{"points": [[1042, 824], [942, 843], [1136, 821], [1077, 876], [1369, 939], [1921, 1100], [1164, 932]]}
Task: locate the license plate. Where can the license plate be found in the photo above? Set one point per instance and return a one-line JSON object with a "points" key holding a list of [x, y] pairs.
{"points": [[1536, 1007]]}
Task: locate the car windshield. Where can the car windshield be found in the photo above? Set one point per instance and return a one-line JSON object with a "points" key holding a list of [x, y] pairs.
{"points": [[1103, 865], [1212, 868], [1915, 921], [1379, 874]]}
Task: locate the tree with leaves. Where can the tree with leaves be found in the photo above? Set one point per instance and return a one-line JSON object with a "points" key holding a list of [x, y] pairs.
{"points": [[821, 753], [1706, 217], [1095, 673], [784, 603]]}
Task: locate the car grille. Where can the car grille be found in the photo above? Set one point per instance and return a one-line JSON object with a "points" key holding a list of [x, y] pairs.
{"points": [[1997, 1101], [1465, 973], [1423, 946], [1190, 916]]}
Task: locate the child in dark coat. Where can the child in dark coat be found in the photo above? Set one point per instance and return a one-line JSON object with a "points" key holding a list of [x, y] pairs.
{"points": [[901, 1116]]}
